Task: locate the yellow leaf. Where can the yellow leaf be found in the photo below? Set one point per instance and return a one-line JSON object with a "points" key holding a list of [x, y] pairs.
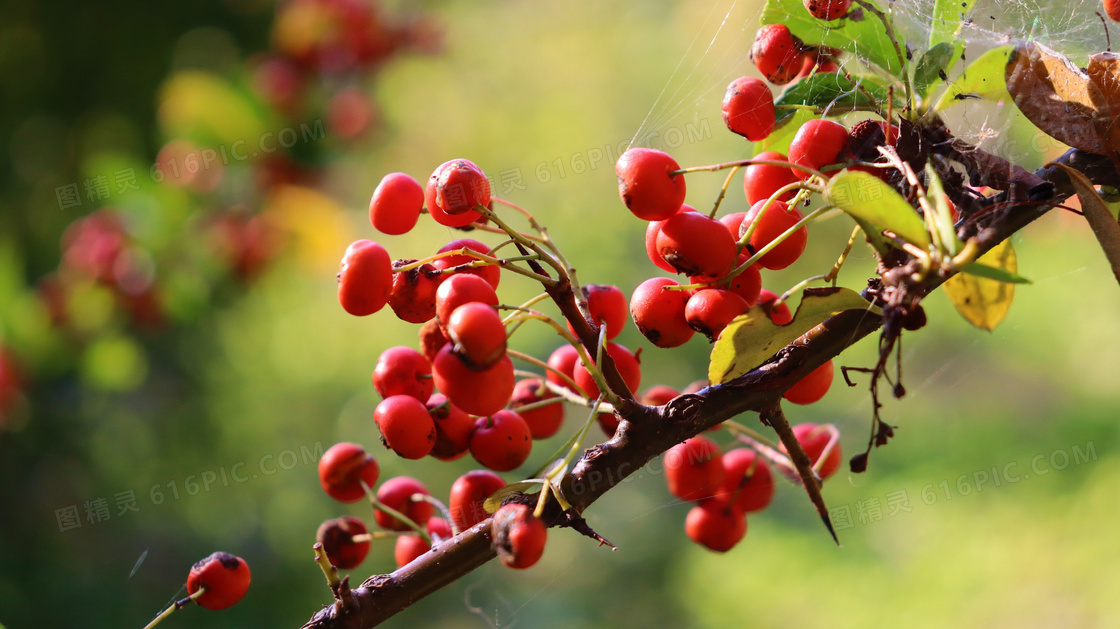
{"points": [[981, 301]]}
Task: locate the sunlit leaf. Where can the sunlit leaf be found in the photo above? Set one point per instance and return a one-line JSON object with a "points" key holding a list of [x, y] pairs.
{"points": [[942, 217], [983, 78], [932, 66], [833, 91], [790, 120], [876, 207], [1100, 217], [492, 503], [981, 301], [860, 33], [753, 337], [948, 18]]}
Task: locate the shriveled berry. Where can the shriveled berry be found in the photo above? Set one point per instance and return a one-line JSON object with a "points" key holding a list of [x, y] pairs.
{"points": [[481, 392], [519, 538], [365, 279], [760, 181], [432, 339], [226, 579], [455, 188], [748, 485], [607, 306], [748, 108], [626, 363], [694, 244], [337, 538], [343, 469], [646, 185], [659, 314], [827, 9], [492, 274], [468, 492], [502, 441], [772, 223], [413, 296], [818, 143], [396, 204], [715, 525], [543, 421], [777, 53], [405, 425], [402, 370], [694, 469], [478, 335], [396, 493], [812, 387], [709, 310]]}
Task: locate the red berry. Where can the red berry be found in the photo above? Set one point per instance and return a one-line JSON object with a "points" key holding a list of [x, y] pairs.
{"points": [[543, 421], [478, 334], [772, 223], [225, 577], [646, 185], [468, 492], [413, 296], [709, 310], [403, 371], [366, 278], [627, 365], [814, 439], [658, 395], [812, 387], [337, 535], [777, 53], [818, 143], [476, 392], [432, 339], [453, 428], [659, 314], [608, 422], [410, 547], [454, 190], [652, 230], [1112, 8], [715, 526], [342, 470], [396, 204], [694, 469], [492, 274], [828, 9], [762, 180], [405, 425], [564, 360], [694, 244], [746, 284], [396, 493], [607, 306], [780, 315], [502, 441], [748, 485], [748, 108], [519, 538], [462, 289]]}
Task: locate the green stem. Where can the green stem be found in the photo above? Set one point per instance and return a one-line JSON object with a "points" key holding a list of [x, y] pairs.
{"points": [[176, 605]]}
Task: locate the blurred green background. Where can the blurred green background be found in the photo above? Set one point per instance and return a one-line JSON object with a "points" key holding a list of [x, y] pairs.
{"points": [[993, 507]]}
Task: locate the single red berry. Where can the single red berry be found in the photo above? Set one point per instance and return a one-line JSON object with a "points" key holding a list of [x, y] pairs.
{"points": [[476, 392], [543, 421], [607, 306], [502, 441], [821, 63], [454, 190], [608, 423], [337, 538], [775, 221], [646, 185], [396, 493], [453, 428], [564, 360], [827, 9], [413, 296], [478, 334], [709, 310], [402, 370], [777, 53], [468, 492], [659, 314], [366, 278], [462, 289], [812, 387], [432, 339], [694, 244], [519, 538], [627, 364], [1112, 8], [814, 440], [405, 425], [780, 315], [226, 579], [652, 230], [760, 181], [492, 274], [658, 395], [748, 108], [715, 526], [439, 529], [343, 469], [396, 204], [748, 485], [694, 469], [818, 143], [410, 547]]}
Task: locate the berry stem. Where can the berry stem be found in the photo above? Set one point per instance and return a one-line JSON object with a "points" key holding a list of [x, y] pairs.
{"points": [[444, 511], [525, 242], [723, 190], [777, 241], [827, 277], [329, 571], [176, 605], [747, 162]]}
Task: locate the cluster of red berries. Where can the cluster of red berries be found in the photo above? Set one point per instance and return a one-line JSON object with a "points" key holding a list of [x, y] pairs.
{"points": [[726, 486]]}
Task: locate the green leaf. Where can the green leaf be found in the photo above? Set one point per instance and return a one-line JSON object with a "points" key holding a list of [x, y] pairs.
{"points": [[1100, 217], [983, 78], [993, 273], [492, 503], [941, 222], [788, 122], [860, 33], [833, 91], [876, 207], [753, 337], [982, 301], [932, 66], [948, 18]]}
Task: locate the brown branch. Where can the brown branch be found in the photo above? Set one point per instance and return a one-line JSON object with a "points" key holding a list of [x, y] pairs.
{"points": [[646, 432]]}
